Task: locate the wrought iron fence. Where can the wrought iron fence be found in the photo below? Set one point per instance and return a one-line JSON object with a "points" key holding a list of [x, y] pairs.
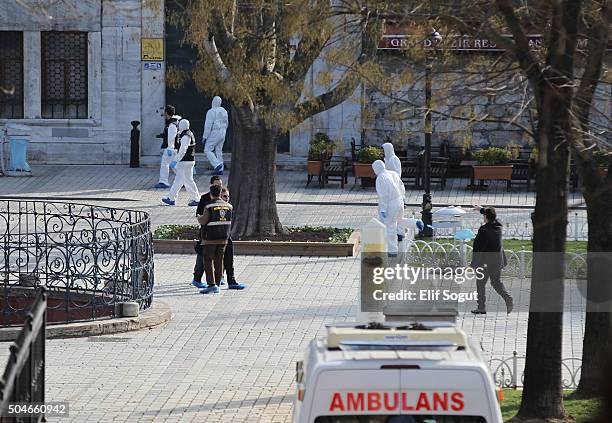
{"points": [[442, 254], [506, 371], [517, 224], [90, 258], [23, 380]]}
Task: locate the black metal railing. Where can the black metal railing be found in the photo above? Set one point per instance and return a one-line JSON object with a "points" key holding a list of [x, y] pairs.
{"points": [[89, 258], [23, 381]]}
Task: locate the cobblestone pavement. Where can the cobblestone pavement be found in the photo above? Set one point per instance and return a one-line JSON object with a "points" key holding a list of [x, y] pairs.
{"points": [[230, 357]]}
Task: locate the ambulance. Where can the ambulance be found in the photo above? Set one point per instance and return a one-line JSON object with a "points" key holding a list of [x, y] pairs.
{"points": [[395, 373]]}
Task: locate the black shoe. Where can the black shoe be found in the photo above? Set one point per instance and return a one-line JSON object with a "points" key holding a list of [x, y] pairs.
{"points": [[509, 304], [478, 311]]}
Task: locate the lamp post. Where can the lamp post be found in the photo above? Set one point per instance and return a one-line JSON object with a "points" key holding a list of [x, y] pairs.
{"points": [[426, 215]]}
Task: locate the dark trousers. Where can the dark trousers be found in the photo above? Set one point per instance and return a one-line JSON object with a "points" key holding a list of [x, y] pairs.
{"points": [[228, 262], [210, 262], [496, 283]]}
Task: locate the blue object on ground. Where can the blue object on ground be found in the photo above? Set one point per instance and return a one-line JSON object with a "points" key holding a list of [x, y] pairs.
{"points": [[19, 154], [168, 201], [161, 185], [210, 290], [465, 235], [420, 225], [199, 285], [236, 286], [193, 203]]}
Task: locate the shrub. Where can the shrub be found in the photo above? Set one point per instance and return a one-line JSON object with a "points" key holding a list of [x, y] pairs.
{"points": [[321, 147], [370, 154], [492, 156], [602, 157]]}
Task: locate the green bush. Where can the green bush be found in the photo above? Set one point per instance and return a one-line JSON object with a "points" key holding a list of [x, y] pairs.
{"points": [[492, 156], [370, 154], [602, 157], [321, 147], [338, 235]]}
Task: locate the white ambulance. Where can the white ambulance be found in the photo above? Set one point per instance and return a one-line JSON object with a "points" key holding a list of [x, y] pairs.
{"points": [[395, 373]]}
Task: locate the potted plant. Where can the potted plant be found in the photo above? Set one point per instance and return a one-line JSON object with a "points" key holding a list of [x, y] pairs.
{"points": [[492, 164], [602, 158], [321, 148], [363, 168]]}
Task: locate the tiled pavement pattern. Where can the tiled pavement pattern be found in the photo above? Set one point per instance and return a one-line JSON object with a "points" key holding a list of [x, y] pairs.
{"points": [[230, 357]]}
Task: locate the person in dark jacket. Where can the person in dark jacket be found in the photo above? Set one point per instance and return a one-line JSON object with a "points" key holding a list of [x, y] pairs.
{"points": [[215, 222], [228, 256], [488, 254]]}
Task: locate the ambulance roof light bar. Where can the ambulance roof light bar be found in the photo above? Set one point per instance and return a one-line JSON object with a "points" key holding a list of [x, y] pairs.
{"points": [[398, 346], [407, 325]]}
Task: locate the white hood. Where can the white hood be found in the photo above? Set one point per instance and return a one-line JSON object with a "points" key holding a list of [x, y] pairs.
{"points": [[378, 166], [389, 150], [183, 125], [216, 101]]}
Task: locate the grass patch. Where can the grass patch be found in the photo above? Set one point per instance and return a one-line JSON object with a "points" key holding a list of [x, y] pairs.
{"points": [[298, 233], [582, 410]]}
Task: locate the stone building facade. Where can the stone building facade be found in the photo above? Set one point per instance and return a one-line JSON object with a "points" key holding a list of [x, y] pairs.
{"points": [[78, 72]]}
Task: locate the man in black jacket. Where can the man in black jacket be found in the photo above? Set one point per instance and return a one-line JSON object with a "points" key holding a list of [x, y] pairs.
{"points": [[488, 254], [228, 256]]}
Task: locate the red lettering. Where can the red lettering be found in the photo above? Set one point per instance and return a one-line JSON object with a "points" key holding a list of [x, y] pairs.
{"points": [[405, 406], [440, 401], [423, 402], [354, 402], [457, 399], [374, 403], [388, 405], [336, 402]]}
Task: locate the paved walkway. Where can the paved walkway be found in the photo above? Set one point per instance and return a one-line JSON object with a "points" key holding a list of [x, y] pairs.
{"points": [[230, 357]]}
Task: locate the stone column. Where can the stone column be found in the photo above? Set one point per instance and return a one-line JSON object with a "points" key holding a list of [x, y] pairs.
{"points": [[153, 97], [32, 74]]}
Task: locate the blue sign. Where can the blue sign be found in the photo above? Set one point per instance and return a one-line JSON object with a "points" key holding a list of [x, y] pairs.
{"points": [[152, 65]]}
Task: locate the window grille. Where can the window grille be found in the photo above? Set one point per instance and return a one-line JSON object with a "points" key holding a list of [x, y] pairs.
{"points": [[64, 75], [11, 75]]}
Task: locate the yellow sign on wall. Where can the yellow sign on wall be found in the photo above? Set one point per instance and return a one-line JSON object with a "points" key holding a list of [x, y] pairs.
{"points": [[152, 49]]}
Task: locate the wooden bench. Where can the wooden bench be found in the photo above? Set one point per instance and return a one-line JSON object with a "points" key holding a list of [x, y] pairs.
{"points": [[336, 169], [522, 172]]}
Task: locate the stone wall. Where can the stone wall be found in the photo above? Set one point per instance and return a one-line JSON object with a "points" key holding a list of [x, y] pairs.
{"points": [[118, 85]]}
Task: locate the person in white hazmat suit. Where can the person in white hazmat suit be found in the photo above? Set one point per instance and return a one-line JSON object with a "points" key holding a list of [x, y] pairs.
{"points": [[392, 162], [168, 147], [183, 163], [391, 191], [214, 135]]}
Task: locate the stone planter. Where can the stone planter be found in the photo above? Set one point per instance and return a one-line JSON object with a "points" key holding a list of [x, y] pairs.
{"points": [[497, 172], [364, 170], [603, 171], [314, 167]]}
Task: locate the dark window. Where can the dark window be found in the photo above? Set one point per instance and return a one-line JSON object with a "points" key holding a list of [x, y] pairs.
{"points": [[64, 75], [11, 75]]}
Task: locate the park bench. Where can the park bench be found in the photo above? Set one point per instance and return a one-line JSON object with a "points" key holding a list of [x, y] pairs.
{"points": [[335, 168], [522, 172]]}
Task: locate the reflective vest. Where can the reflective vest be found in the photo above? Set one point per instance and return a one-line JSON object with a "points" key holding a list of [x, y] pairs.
{"points": [[220, 220]]}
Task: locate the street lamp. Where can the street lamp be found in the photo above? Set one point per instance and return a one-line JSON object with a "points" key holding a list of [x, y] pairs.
{"points": [[426, 215]]}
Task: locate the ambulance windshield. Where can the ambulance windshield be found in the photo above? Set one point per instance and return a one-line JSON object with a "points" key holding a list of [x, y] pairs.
{"points": [[400, 419]]}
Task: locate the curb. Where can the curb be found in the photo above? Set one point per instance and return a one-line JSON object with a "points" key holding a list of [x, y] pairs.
{"points": [[159, 313], [269, 248]]}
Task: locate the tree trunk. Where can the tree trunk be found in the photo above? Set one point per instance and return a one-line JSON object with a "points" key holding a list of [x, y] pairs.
{"points": [[542, 394], [253, 175], [597, 342]]}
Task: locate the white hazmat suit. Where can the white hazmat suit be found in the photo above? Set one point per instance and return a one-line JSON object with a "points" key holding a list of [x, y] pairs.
{"points": [[168, 153], [214, 134], [391, 191], [392, 162], [184, 168]]}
